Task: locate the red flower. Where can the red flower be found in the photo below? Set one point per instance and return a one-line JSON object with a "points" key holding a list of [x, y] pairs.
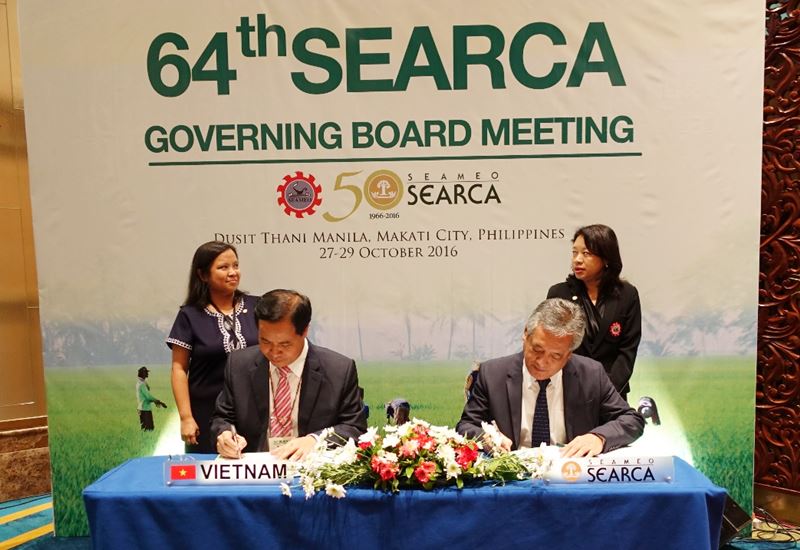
{"points": [[409, 448], [429, 444], [466, 455], [384, 468], [426, 442], [615, 329], [424, 471], [364, 445]]}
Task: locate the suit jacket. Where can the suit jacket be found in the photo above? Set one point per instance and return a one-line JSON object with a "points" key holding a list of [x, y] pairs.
{"points": [[591, 404], [328, 396], [619, 331]]}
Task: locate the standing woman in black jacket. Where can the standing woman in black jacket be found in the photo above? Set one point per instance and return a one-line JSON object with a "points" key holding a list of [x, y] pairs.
{"points": [[612, 308]]}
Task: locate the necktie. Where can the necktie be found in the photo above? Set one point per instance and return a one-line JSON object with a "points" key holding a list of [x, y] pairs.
{"points": [[541, 419], [281, 425]]}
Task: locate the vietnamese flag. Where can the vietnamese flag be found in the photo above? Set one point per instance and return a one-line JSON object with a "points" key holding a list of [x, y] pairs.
{"points": [[182, 472]]}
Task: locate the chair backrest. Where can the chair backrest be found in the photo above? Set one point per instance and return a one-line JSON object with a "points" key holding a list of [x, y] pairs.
{"points": [[472, 377], [398, 411]]}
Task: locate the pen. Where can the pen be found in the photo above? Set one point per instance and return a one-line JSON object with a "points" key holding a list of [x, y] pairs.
{"points": [[233, 434]]}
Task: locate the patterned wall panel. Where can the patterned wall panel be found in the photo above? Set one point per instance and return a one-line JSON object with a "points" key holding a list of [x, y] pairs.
{"points": [[777, 451]]}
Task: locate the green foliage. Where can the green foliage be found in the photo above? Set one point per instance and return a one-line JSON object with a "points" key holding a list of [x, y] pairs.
{"points": [[713, 400], [435, 389], [94, 426]]}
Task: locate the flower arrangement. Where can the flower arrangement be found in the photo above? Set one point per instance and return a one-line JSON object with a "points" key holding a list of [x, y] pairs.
{"points": [[413, 455]]}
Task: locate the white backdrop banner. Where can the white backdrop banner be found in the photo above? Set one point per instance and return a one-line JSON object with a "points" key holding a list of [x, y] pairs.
{"points": [[417, 168]]}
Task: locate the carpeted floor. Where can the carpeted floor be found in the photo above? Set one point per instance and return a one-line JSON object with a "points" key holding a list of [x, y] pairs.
{"points": [[25, 520]]}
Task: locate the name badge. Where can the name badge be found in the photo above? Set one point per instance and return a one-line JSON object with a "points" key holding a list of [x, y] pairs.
{"points": [[278, 442]]}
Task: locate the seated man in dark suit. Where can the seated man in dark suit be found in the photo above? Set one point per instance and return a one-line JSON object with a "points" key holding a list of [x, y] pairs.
{"points": [[579, 406], [280, 395]]}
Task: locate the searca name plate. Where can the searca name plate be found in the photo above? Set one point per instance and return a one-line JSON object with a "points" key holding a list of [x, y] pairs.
{"points": [[619, 469], [228, 472]]}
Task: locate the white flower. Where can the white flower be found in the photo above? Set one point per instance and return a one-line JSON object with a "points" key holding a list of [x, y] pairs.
{"points": [[404, 430], [419, 422], [308, 486], [446, 453], [389, 457], [321, 444], [335, 490], [312, 463], [286, 490], [369, 436], [495, 437], [347, 454], [443, 435], [294, 469], [537, 460], [479, 466], [457, 437], [391, 441], [453, 470], [442, 431]]}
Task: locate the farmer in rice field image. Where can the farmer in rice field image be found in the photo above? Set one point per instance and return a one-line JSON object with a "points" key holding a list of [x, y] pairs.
{"points": [[145, 400]]}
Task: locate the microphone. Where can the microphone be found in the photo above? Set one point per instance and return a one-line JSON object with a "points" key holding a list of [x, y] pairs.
{"points": [[648, 409]]}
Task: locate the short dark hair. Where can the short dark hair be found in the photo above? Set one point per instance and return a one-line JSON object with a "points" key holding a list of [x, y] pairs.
{"points": [[280, 304], [601, 241], [202, 260], [143, 372]]}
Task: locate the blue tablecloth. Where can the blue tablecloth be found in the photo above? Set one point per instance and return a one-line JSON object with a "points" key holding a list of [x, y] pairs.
{"points": [[130, 507]]}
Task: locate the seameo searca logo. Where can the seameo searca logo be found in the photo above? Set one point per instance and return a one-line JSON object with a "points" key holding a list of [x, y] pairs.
{"points": [[383, 191], [299, 194], [571, 471]]}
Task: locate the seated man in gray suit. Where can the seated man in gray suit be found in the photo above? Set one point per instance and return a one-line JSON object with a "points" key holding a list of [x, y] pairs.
{"points": [[578, 408], [280, 395]]}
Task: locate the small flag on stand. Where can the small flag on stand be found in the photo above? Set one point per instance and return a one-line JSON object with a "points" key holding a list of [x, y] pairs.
{"points": [[183, 471]]}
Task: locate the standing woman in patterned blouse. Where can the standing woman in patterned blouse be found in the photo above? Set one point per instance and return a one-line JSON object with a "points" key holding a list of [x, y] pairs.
{"points": [[215, 319], [611, 304]]}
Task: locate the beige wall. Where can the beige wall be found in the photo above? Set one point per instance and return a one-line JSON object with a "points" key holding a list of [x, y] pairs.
{"points": [[22, 395]]}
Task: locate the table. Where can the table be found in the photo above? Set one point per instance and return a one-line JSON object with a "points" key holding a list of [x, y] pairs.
{"points": [[130, 507]]}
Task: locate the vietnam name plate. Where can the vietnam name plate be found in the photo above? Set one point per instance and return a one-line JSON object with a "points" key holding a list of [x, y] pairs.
{"points": [[251, 470]]}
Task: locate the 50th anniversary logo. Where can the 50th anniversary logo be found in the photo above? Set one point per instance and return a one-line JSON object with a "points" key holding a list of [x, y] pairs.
{"points": [[300, 194]]}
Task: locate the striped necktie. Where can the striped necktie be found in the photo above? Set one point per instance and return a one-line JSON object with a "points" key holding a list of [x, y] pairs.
{"points": [[281, 423], [541, 419]]}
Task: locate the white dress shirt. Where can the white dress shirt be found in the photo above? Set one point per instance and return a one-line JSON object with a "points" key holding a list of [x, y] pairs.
{"points": [[555, 407]]}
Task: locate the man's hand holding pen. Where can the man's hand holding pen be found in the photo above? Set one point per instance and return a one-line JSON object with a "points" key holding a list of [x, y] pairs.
{"points": [[230, 444]]}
